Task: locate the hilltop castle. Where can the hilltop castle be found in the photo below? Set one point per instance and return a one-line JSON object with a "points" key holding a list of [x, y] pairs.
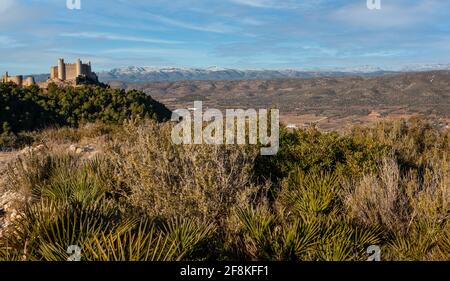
{"points": [[74, 74], [18, 80]]}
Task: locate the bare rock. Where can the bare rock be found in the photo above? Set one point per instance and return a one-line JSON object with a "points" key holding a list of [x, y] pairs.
{"points": [[77, 149], [33, 149], [8, 209]]}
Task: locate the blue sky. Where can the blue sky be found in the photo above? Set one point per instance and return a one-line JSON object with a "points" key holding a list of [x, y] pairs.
{"points": [[271, 34]]}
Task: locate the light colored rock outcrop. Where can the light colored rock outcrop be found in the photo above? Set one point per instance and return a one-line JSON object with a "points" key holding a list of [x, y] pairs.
{"points": [[8, 199], [33, 149], [87, 151], [8, 209]]}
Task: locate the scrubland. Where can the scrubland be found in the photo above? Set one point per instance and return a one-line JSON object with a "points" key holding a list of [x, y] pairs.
{"points": [[324, 196]]}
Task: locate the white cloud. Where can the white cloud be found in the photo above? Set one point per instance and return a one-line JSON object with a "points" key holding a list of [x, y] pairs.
{"points": [[150, 51], [8, 13], [5, 5], [213, 27], [5, 40], [15, 12], [279, 4], [251, 21], [255, 3], [8, 42], [117, 37]]}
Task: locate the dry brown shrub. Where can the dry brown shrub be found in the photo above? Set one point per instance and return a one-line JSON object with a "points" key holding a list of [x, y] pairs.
{"points": [[413, 209], [166, 180]]}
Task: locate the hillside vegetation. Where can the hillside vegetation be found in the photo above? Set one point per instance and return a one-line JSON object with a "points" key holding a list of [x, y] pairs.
{"points": [[31, 108], [324, 196]]}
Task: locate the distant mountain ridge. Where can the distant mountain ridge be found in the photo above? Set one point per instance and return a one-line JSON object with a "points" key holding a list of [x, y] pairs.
{"points": [[152, 74], [134, 74]]}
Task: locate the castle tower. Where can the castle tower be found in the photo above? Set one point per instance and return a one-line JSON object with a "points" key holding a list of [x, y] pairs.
{"points": [[18, 80], [5, 78], [53, 72], [29, 81], [61, 70], [78, 66]]}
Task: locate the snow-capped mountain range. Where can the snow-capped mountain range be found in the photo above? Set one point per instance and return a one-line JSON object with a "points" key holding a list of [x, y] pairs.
{"points": [[151, 74]]}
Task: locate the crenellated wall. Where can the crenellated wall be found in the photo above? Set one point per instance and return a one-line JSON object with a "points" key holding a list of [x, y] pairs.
{"points": [[18, 80], [75, 73], [71, 71]]}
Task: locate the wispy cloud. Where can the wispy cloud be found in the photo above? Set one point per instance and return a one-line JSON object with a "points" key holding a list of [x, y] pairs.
{"points": [[150, 51], [6, 5], [210, 27], [8, 42], [229, 33], [117, 37], [14, 11], [280, 4], [255, 3]]}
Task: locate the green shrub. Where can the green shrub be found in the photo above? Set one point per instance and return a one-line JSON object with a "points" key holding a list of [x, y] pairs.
{"points": [[31, 108], [312, 150]]}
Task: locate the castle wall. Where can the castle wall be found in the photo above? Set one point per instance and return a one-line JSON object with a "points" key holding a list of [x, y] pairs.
{"points": [[18, 80], [85, 70], [54, 72], [71, 72], [29, 81]]}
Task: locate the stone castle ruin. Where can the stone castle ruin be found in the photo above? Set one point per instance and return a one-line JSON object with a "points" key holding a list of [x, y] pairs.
{"points": [[74, 74], [18, 80]]}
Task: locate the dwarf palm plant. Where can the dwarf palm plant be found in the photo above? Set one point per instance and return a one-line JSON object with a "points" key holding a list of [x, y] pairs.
{"points": [[46, 229], [189, 236], [311, 193], [144, 243]]}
